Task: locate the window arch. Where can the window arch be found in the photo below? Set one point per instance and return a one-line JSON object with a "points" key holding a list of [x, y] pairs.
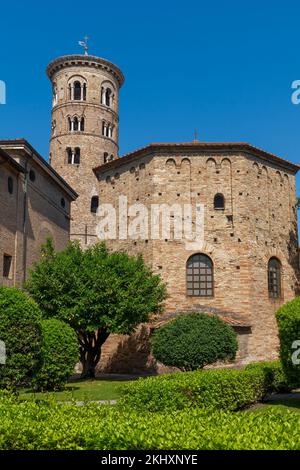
{"points": [[75, 124], [200, 276], [274, 278], [94, 204], [77, 156], [82, 124], [77, 91], [219, 201]]}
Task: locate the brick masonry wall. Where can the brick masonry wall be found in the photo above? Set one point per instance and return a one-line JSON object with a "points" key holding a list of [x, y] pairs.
{"points": [[45, 217], [259, 221]]}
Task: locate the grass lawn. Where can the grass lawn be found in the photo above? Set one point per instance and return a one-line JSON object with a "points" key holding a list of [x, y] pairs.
{"points": [[85, 390]]}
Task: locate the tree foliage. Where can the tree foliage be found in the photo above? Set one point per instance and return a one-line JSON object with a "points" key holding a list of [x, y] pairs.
{"points": [[20, 330], [96, 292], [59, 355], [288, 319], [194, 340]]}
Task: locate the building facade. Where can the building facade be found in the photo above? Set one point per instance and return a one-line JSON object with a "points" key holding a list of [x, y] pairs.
{"points": [[247, 263], [35, 204]]}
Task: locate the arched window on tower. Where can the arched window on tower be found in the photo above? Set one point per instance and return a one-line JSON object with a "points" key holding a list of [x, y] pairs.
{"points": [[77, 156], [106, 157], [108, 96], [75, 124], [82, 124], [54, 94], [274, 278], [70, 124], [77, 91], [219, 202], [84, 92], [94, 204], [200, 276], [70, 156]]}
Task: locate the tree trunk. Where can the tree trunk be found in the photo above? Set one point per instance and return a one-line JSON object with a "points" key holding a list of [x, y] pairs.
{"points": [[90, 350]]}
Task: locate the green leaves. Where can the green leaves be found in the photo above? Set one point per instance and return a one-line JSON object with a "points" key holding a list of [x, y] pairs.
{"points": [[20, 330], [288, 319], [59, 355], [225, 389], [95, 290], [51, 426], [194, 340]]}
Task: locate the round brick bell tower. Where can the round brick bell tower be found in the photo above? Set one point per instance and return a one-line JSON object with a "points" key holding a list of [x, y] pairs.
{"points": [[85, 130]]}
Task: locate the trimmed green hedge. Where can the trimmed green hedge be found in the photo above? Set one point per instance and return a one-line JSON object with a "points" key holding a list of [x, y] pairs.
{"points": [[226, 389], [192, 341], [20, 330], [29, 426], [277, 381], [288, 319], [59, 355]]}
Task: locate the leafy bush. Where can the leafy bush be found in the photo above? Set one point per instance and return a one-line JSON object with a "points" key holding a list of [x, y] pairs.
{"points": [[225, 389], [50, 426], [288, 319], [192, 341], [59, 355], [219, 389], [275, 376], [21, 332]]}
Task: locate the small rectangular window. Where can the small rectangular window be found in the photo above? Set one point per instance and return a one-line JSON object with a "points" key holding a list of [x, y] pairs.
{"points": [[7, 266]]}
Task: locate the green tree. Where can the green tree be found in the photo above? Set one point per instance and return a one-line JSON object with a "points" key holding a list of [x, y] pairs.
{"points": [[96, 292]]}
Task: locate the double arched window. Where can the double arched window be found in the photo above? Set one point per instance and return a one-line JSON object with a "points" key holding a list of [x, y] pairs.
{"points": [[76, 124], [73, 156], [274, 278], [107, 95], [107, 129], [77, 91], [200, 276]]}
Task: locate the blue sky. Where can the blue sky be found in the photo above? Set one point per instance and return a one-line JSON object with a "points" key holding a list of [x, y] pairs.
{"points": [[223, 67]]}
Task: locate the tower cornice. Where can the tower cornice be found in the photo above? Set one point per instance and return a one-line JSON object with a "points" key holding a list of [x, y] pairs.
{"points": [[84, 61]]}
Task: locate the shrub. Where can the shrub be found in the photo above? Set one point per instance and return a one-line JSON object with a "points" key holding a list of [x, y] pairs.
{"points": [[60, 353], [21, 332], [219, 389], [288, 319], [31, 426], [192, 341], [275, 376]]}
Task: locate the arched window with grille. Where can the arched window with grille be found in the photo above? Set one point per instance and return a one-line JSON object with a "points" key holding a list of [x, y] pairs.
{"points": [[219, 201], [94, 204], [274, 278], [200, 276]]}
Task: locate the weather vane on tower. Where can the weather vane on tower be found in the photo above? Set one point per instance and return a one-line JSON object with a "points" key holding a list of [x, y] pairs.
{"points": [[84, 44]]}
